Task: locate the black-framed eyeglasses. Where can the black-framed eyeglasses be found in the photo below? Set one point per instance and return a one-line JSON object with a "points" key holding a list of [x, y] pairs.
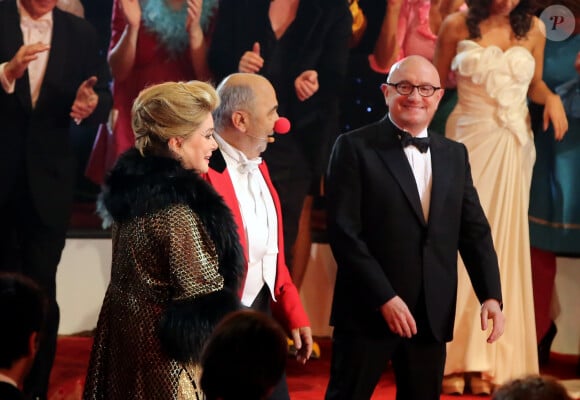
{"points": [[405, 88]]}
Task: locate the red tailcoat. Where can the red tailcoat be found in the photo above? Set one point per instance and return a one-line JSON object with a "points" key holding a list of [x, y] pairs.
{"points": [[288, 307]]}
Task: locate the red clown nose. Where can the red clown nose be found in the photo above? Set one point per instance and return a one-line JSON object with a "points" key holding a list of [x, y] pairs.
{"points": [[282, 126]]}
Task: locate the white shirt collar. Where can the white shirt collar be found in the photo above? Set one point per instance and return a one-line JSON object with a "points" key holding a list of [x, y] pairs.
{"points": [[233, 153], [423, 133]]}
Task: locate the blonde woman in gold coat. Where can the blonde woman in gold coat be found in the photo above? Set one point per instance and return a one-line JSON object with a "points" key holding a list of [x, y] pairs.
{"points": [[176, 255]]}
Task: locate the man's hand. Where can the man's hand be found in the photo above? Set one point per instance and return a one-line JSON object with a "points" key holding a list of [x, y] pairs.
{"points": [[86, 100], [306, 85], [303, 342], [15, 68], [490, 309], [251, 62], [399, 318]]}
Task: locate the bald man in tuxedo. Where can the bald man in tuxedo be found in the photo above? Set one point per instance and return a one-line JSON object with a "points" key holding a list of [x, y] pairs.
{"points": [[401, 204]]}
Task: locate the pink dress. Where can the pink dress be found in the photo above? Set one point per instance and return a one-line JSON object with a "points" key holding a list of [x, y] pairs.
{"points": [[414, 34], [153, 64]]}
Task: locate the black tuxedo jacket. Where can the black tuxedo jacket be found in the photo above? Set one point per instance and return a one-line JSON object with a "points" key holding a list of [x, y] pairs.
{"points": [[9, 392], [383, 245], [36, 151]]}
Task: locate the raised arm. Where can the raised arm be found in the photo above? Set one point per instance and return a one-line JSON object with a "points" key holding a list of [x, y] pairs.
{"points": [[126, 21], [198, 46], [14, 69], [453, 29], [386, 48]]}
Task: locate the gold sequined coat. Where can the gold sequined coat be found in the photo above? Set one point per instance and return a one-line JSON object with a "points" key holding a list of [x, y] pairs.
{"points": [[175, 273]]}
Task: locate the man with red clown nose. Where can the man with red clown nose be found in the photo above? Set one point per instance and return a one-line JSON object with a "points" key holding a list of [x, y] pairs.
{"points": [[245, 122]]}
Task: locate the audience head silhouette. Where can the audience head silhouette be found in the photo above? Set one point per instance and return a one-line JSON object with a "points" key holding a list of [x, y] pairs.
{"points": [[244, 358], [532, 388], [22, 313]]}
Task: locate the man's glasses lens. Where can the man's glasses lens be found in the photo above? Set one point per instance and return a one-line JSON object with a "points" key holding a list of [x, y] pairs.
{"points": [[405, 89]]}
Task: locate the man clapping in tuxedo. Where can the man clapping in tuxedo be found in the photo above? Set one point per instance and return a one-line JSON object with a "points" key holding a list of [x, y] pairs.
{"points": [[51, 76]]}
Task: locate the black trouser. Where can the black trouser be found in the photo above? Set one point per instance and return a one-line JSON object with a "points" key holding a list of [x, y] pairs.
{"points": [[29, 247], [262, 304], [358, 361]]}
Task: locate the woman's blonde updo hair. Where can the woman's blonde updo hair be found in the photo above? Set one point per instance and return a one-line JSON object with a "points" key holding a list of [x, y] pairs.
{"points": [[170, 109]]}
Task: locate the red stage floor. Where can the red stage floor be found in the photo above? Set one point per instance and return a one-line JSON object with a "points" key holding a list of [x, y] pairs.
{"points": [[305, 382]]}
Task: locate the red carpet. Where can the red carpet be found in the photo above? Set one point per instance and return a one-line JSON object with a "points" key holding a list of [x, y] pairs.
{"points": [[305, 382]]}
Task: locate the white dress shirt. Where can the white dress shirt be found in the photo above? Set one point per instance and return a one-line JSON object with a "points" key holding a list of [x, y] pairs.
{"points": [[421, 166], [33, 31], [259, 218]]}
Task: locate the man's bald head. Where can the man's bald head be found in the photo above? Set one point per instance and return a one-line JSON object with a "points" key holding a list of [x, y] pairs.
{"points": [[247, 112], [415, 62], [412, 112], [238, 92], [241, 79]]}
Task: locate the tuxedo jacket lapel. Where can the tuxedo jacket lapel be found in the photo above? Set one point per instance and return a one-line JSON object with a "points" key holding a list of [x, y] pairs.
{"points": [[56, 58], [11, 42], [390, 151], [219, 177], [440, 165]]}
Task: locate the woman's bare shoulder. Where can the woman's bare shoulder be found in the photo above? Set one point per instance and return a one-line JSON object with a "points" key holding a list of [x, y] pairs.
{"points": [[538, 27]]}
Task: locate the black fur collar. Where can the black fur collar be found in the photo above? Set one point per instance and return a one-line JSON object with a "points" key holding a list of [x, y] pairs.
{"points": [[140, 185]]}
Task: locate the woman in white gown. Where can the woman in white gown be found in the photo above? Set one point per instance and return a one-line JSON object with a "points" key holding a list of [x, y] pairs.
{"points": [[496, 49]]}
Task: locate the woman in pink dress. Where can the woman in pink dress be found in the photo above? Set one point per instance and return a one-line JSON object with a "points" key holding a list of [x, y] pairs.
{"points": [[417, 28]]}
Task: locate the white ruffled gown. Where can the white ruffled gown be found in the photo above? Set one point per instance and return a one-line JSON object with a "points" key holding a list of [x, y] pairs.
{"points": [[492, 120]]}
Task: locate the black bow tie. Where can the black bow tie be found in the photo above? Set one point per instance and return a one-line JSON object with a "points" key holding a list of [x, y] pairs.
{"points": [[421, 143]]}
